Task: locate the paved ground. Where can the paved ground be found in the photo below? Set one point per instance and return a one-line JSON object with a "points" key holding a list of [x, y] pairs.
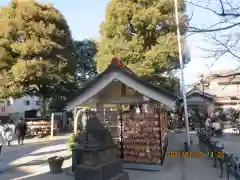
{"points": [[181, 168], [28, 162], [230, 142]]}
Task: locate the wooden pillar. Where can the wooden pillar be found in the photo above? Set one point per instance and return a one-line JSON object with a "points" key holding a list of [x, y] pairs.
{"points": [[76, 117], [84, 120], [52, 124], [100, 111], [150, 107], [64, 118]]}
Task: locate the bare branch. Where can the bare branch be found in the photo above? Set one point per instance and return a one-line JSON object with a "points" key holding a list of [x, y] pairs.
{"points": [[226, 47], [222, 34], [199, 30], [228, 75], [222, 13]]}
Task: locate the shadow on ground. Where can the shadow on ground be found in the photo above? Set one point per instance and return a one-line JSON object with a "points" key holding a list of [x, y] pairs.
{"points": [[35, 158], [173, 168], [40, 161], [63, 176], [48, 152], [16, 152], [20, 174]]}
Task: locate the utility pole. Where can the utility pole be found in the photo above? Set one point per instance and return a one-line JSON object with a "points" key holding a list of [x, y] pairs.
{"points": [[202, 82], [182, 73]]}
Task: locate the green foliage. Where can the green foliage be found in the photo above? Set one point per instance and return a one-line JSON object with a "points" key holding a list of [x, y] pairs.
{"points": [[57, 102], [85, 52], [168, 82], [142, 33], [71, 141], [35, 51]]}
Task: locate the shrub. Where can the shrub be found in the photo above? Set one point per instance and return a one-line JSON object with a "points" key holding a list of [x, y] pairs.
{"points": [[71, 141]]}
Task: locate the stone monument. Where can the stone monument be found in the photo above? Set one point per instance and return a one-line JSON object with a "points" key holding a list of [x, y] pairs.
{"points": [[95, 154]]}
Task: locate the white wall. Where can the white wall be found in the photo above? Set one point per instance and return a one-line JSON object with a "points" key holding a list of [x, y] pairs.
{"points": [[211, 108], [20, 106], [224, 90], [3, 108], [213, 84]]}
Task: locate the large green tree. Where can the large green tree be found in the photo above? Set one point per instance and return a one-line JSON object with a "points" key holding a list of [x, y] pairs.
{"points": [[142, 33], [85, 52], [35, 51]]}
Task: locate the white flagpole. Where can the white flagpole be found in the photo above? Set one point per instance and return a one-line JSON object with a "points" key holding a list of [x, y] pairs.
{"points": [[182, 72]]}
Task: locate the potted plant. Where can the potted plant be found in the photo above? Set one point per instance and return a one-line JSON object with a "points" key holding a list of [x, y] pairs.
{"points": [[55, 164]]}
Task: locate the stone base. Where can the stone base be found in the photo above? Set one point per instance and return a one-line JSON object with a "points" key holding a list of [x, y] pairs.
{"points": [[112, 170], [122, 176]]}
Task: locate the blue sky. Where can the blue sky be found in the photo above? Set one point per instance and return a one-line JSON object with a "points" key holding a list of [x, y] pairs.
{"points": [[85, 16]]}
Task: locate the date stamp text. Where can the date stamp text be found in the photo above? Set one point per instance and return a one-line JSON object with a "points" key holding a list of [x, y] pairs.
{"points": [[174, 154]]}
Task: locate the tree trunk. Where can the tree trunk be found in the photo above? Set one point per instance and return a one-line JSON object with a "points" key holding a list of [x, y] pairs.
{"points": [[43, 107]]}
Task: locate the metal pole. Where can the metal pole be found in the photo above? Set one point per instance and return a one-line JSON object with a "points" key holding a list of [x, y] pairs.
{"points": [[202, 82], [52, 124], [182, 73], [204, 103]]}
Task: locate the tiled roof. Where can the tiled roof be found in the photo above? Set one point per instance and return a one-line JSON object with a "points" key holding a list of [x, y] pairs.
{"points": [[117, 66]]}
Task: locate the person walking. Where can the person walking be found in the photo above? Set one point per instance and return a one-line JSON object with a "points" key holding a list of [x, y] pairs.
{"points": [[208, 126], [20, 131], [2, 139], [9, 130]]}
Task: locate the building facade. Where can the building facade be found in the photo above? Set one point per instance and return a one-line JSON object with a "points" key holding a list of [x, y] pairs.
{"points": [[201, 102], [3, 108], [226, 89], [16, 107]]}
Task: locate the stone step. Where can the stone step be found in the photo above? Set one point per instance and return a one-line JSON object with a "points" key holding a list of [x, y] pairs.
{"points": [[104, 171], [122, 176]]}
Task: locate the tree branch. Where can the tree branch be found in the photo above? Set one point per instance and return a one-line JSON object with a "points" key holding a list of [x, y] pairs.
{"points": [[222, 34], [222, 13], [198, 30], [228, 75]]}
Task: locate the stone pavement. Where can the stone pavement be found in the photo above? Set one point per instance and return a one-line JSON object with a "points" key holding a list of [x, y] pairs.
{"points": [[230, 142], [34, 165], [180, 168], [24, 161]]}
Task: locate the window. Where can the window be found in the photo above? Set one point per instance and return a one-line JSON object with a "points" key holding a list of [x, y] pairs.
{"points": [[38, 103], [27, 102]]}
